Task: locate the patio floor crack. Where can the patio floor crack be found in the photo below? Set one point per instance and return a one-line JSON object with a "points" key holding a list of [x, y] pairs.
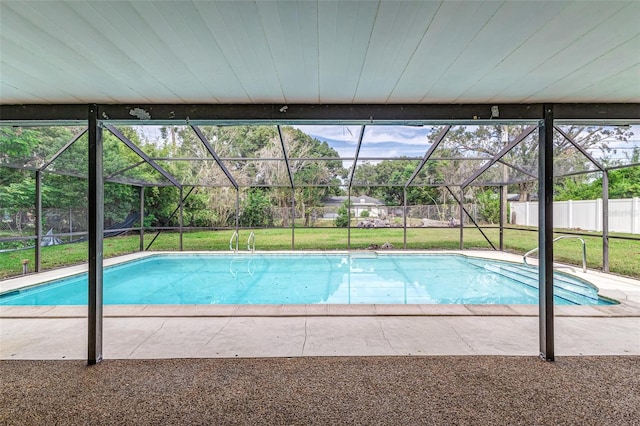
{"points": [[305, 338], [384, 336], [149, 337]]}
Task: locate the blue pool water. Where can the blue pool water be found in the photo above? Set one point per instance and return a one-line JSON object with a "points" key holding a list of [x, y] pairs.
{"points": [[311, 278]]}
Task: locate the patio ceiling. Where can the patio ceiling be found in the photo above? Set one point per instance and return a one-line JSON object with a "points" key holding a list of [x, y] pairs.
{"points": [[308, 52]]}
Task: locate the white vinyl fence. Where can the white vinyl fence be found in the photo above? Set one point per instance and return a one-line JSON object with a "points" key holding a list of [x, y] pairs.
{"points": [[624, 215]]}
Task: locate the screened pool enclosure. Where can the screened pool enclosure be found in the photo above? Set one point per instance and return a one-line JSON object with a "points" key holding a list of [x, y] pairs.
{"points": [[84, 173]]}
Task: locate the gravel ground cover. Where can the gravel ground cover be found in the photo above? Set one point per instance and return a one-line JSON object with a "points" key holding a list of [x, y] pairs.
{"points": [[342, 390]]}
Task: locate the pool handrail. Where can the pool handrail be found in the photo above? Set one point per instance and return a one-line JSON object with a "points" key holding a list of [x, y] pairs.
{"points": [[236, 237], [251, 242], [584, 251]]}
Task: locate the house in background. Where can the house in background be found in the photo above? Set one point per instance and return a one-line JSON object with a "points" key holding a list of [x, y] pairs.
{"points": [[359, 203]]}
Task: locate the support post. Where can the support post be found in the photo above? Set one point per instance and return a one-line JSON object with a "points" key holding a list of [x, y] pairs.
{"points": [[181, 216], [293, 218], [404, 215], [237, 218], [96, 235], [142, 218], [38, 255], [545, 234], [605, 221], [504, 195], [503, 213], [349, 216], [461, 218]]}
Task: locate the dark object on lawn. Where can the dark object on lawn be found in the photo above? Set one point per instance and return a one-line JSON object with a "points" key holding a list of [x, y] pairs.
{"points": [[50, 240], [117, 228]]}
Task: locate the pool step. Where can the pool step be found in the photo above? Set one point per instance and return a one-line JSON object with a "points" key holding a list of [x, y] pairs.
{"points": [[563, 287], [559, 280], [531, 272]]}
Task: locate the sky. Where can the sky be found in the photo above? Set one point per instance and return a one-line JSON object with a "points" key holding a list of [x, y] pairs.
{"points": [[378, 141]]}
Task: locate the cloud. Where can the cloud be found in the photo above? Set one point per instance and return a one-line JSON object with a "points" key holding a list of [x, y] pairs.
{"points": [[408, 135], [333, 133]]}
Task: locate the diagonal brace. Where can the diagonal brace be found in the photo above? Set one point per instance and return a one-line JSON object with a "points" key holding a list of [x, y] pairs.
{"points": [[126, 169], [517, 168], [579, 148], [171, 216], [428, 154], [286, 157], [471, 218], [504, 151], [63, 149], [142, 155], [355, 160], [207, 145]]}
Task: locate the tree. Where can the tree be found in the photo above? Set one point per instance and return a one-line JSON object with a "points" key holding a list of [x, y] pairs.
{"points": [[488, 206], [623, 183], [342, 221], [160, 203], [489, 140], [256, 209], [386, 179], [242, 145]]}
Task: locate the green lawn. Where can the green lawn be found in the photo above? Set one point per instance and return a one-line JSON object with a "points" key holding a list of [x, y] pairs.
{"points": [[624, 255]]}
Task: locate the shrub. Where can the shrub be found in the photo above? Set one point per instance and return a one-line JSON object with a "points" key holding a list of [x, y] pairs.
{"points": [[342, 221]]}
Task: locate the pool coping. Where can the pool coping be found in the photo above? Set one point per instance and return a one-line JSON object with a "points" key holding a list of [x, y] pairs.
{"points": [[624, 290]]}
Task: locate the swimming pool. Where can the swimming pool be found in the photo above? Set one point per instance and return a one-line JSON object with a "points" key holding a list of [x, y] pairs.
{"points": [[357, 278]]}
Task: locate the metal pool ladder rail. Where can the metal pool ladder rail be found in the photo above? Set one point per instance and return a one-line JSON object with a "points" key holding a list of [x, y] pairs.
{"points": [[251, 242], [584, 251], [234, 237]]}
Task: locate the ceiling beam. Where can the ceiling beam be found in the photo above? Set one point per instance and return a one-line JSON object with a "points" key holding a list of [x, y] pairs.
{"points": [[597, 112], [312, 113], [46, 112], [296, 113]]}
